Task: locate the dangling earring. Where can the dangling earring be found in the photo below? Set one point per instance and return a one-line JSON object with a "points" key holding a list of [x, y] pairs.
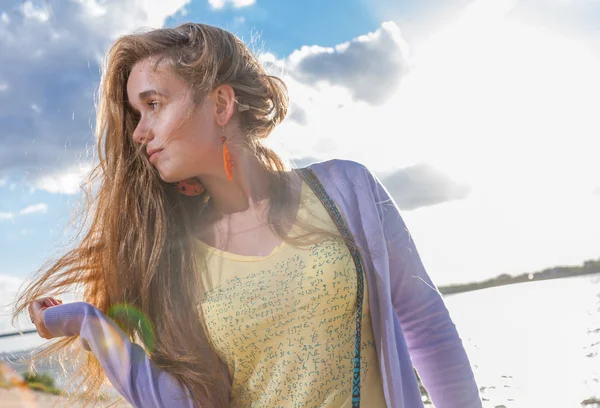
{"points": [[190, 187], [226, 157]]}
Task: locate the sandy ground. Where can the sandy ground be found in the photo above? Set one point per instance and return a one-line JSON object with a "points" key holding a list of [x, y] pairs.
{"points": [[25, 398]]}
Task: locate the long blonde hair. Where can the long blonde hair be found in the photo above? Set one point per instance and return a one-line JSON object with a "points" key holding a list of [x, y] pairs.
{"points": [[135, 240]]}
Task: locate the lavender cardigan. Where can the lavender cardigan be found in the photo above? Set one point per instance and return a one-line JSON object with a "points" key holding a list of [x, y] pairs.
{"points": [[411, 324]]}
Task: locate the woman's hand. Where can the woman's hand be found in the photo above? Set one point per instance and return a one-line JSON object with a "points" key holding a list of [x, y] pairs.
{"points": [[37, 309]]}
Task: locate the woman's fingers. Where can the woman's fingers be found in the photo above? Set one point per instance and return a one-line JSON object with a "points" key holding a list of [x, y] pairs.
{"points": [[37, 310], [50, 301]]}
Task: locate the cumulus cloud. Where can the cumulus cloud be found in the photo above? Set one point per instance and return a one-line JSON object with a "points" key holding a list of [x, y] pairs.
{"points": [[219, 4], [51, 53], [41, 208], [423, 185], [370, 66]]}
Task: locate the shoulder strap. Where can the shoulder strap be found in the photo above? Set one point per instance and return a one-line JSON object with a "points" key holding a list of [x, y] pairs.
{"points": [[313, 182]]}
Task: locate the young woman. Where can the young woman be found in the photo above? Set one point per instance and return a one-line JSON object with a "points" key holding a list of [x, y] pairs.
{"points": [[216, 276]]}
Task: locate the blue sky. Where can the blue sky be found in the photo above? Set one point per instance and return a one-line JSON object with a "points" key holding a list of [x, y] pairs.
{"points": [[480, 116]]}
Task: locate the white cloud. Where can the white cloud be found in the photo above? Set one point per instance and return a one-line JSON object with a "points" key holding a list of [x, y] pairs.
{"points": [[219, 4], [156, 12], [3, 181], [243, 3], [423, 185], [370, 66], [64, 182], [6, 216], [33, 209], [4, 18], [3, 86]]}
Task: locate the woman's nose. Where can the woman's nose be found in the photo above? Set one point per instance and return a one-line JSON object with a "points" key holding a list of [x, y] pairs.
{"points": [[142, 133]]}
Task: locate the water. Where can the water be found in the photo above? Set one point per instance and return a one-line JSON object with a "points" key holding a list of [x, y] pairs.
{"points": [[534, 344]]}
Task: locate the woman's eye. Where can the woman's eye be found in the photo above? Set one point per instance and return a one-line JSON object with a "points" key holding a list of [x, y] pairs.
{"points": [[154, 105]]}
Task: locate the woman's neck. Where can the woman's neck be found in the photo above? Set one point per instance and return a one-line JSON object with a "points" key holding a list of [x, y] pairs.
{"points": [[248, 188]]}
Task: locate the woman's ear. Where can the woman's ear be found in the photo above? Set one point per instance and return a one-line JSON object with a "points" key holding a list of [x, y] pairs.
{"points": [[224, 104]]}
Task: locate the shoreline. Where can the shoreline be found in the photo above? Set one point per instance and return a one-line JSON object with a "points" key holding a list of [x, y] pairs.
{"points": [[506, 280]]}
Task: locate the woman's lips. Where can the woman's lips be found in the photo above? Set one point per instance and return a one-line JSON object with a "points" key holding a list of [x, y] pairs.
{"points": [[153, 154]]}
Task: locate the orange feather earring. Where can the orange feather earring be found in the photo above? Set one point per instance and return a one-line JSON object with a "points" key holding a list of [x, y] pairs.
{"points": [[226, 157]]}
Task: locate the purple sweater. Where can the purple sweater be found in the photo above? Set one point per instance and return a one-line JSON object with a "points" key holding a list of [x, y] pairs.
{"points": [[411, 324]]}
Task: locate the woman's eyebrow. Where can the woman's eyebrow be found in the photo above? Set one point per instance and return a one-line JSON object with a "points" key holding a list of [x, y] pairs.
{"points": [[146, 94], [150, 92]]}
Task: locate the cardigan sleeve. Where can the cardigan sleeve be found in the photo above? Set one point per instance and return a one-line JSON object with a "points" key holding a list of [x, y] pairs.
{"points": [[126, 364], [433, 342]]}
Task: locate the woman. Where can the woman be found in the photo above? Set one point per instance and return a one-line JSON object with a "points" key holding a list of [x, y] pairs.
{"points": [[243, 282]]}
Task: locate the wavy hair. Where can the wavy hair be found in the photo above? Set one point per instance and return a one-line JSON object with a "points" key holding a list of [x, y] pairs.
{"points": [[134, 245]]}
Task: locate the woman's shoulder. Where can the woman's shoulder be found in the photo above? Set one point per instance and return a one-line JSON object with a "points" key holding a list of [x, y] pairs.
{"points": [[341, 177], [340, 169]]}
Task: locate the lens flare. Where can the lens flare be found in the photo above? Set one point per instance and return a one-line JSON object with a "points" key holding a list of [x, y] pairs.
{"points": [[131, 317]]}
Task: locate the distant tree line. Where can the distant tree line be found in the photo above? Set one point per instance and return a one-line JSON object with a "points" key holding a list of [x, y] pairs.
{"points": [[588, 267]]}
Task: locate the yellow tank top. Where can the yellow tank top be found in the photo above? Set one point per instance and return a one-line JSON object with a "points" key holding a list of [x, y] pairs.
{"points": [[285, 323]]}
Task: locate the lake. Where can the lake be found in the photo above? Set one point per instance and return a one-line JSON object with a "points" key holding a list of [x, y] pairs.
{"points": [[533, 344]]}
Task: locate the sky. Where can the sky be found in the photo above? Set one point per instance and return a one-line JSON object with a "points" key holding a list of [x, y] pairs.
{"points": [[479, 116]]}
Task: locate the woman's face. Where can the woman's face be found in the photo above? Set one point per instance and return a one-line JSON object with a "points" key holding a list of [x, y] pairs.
{"points": [[181, 138]]}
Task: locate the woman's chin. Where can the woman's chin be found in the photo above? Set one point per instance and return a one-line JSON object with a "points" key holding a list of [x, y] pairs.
{"points": [[171, 176], [168, 177]]}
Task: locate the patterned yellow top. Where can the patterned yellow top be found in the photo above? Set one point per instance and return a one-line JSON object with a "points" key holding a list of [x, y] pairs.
{"points": [[285, 323]]}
